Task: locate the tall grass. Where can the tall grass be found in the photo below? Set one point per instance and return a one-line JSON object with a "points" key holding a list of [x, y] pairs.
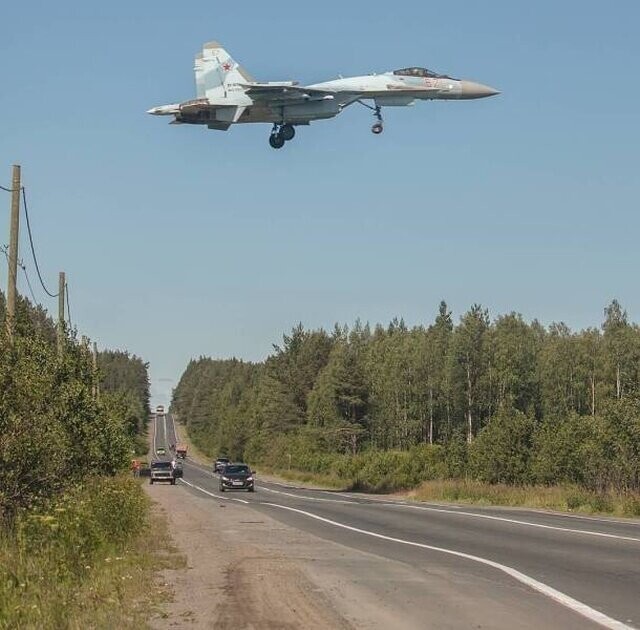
{"points": [[560, 498], [80, 563], [427, 474]]}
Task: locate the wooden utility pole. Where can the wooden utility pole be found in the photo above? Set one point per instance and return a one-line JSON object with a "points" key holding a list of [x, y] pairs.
{"points": [[62, 286], [14, 227], [96, 385]]}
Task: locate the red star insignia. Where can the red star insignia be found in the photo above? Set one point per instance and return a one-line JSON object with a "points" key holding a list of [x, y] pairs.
{"points": [[226, 66]]}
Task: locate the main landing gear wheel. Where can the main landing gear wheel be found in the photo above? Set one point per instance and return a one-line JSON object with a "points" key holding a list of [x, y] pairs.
{"points": [[276, 140], [281, 134], [288, 132]]}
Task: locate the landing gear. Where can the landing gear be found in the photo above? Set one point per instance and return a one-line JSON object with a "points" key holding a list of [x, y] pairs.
{"points": [[288, 132], [276, 141], [281, 134], [378, 126]]}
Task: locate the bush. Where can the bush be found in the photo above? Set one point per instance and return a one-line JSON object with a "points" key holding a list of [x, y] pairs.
{"points": [[501, 452], [50, 555]]}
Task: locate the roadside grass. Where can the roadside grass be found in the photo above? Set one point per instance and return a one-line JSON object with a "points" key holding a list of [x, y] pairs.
{"points": [[558, 498], [88, 561], [330, 482]]}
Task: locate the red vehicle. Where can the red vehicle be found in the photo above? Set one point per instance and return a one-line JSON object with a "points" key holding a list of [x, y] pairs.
{"points": [[181, 451]]}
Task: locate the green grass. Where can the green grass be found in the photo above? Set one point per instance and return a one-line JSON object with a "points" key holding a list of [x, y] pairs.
{"points": [[312, 479], [87, 561], [559, 498]]}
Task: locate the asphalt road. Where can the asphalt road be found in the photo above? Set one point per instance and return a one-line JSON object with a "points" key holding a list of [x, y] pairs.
{"points": [[568, 570]]}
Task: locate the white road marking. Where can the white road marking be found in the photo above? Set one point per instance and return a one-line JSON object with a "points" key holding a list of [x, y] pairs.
{"points": [[562, 598], [368, 497], [453, 506], [514, 521], [301, 496], [211, 494], [457, 511]]}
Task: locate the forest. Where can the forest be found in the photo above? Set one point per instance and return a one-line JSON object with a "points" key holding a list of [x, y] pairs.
{"points": [[497, 400], [60, 420]]}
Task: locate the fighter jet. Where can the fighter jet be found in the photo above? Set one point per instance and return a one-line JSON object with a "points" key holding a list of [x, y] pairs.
{"points": [[228, 95]]}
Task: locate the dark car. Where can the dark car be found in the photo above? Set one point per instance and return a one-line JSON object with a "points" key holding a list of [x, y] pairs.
{"points": [[220, 463], [236, 477], [178, 471]]}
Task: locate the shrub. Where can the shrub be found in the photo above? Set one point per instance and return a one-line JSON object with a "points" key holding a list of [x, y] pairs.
{"points": [[52, 554], [501, 452]]}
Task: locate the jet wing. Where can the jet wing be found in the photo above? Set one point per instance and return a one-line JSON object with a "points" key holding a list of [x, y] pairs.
{"points": [[284, 93]]}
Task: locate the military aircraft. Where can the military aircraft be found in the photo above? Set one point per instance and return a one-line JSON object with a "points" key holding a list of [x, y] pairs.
{"points": [[227, 95]]}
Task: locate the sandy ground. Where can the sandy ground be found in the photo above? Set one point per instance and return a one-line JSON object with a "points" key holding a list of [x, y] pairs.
{"points": [[231, 579]]}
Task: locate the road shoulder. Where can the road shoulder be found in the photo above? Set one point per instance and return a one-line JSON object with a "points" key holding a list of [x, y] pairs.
{"points": [[228, 582]]}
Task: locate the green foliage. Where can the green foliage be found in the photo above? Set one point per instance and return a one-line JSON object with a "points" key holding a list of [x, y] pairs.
{"points": [[501, 452], [502, 401], [123, 374], [54, 553], [53, 431]]}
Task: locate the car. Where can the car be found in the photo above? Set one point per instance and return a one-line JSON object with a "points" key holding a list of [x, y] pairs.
{"points": [[237, 477], [161, 451], [162, 471], [220, 463], [178, 471]]}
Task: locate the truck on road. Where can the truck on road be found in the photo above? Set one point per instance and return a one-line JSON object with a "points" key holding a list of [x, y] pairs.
{"points": [[162, 471], [181, 451]]}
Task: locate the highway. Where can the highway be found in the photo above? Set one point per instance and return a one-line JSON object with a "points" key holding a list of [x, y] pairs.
{"points": [[569, 570]]}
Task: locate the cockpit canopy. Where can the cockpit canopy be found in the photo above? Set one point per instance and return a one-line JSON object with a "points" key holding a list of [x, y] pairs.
{"points": [[419, 72]]}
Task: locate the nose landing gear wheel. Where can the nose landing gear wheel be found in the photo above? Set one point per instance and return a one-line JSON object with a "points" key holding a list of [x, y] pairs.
{"points": [[377, 128], [288, 132], [276, 140]]}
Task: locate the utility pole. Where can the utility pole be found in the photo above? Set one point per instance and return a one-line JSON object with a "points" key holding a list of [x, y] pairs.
{"points": [[14, 227], [62, 286], [96, 386]]}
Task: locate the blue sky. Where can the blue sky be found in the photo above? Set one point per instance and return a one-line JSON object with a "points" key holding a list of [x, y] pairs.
{"points": [[180, 242]]}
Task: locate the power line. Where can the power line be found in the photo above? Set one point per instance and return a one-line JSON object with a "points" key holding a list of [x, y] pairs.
{"points": [[4, 249], [66, 292], [26, 275], [33, 251], [6, 189]]}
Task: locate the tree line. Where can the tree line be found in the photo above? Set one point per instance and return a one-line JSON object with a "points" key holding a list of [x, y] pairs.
{"points": [[55, 430], [502, 400]]}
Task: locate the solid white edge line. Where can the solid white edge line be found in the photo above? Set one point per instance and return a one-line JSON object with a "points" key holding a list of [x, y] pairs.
{"points": [[298, 496], [565, 600], [211, 494], [513, 521], [443, 510]]}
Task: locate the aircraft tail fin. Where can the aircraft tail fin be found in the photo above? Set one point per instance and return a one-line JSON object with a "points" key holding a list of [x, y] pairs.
{"points": [[215, 68]]}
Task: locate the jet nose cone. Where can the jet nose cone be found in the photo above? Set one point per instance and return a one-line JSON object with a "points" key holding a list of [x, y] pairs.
{"points": [[476, 90]]}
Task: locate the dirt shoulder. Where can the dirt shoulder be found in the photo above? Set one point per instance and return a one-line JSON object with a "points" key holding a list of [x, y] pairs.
{"points": [[231, 580]]}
